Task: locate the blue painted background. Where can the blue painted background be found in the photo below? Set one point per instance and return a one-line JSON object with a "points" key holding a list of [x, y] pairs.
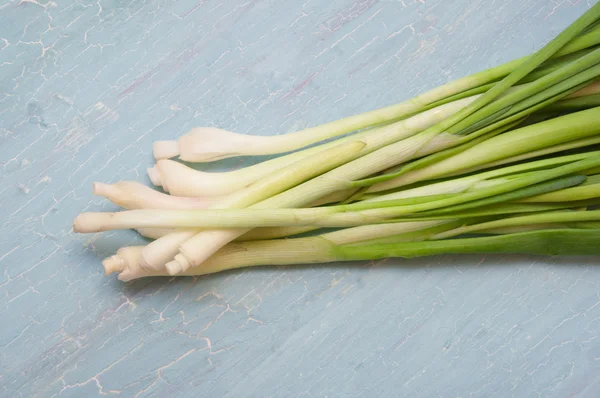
{"points": [[86, 86]]}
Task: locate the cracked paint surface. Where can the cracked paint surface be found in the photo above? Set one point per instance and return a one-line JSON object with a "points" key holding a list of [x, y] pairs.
{"points": [[86, 86]]}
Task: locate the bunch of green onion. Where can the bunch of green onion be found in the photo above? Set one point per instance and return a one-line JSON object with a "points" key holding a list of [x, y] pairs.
{"points": [[503, 161]]}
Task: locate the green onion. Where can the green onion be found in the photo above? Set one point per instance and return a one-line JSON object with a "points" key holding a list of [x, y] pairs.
{"points": [[307, 250], [181, 180], [544, 218], [511, 153], [545, 242], [538, 136]]}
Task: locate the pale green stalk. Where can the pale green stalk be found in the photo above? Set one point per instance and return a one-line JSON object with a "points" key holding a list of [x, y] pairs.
{"points": [[541, 135], [474, 182], [544, 218], [334, 216], [502, 209], [511, 196], [581, 143]]}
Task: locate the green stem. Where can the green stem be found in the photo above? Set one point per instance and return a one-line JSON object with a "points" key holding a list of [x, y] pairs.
{"points": [[544, 218], [541, 135], [574, 104], [472, 182], [545, 242], [581, 143], [435, 157], [533, 190], [583, 192], [502, 209], [499, 189]]}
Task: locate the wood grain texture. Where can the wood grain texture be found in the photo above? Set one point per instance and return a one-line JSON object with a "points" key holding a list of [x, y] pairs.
{"points": [[86, 86]]}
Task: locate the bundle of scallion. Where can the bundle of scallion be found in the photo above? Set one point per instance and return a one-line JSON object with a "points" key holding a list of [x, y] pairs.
{"points": [[505, 160]]}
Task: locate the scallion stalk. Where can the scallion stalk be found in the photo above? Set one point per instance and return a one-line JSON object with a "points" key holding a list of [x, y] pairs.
{"points": [[546, 242], [541, 135], [208, 144], [534, 219], [456, 160]]}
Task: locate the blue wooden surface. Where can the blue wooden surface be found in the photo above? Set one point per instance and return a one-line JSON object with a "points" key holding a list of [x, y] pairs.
{"points": [[86, 86]]}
